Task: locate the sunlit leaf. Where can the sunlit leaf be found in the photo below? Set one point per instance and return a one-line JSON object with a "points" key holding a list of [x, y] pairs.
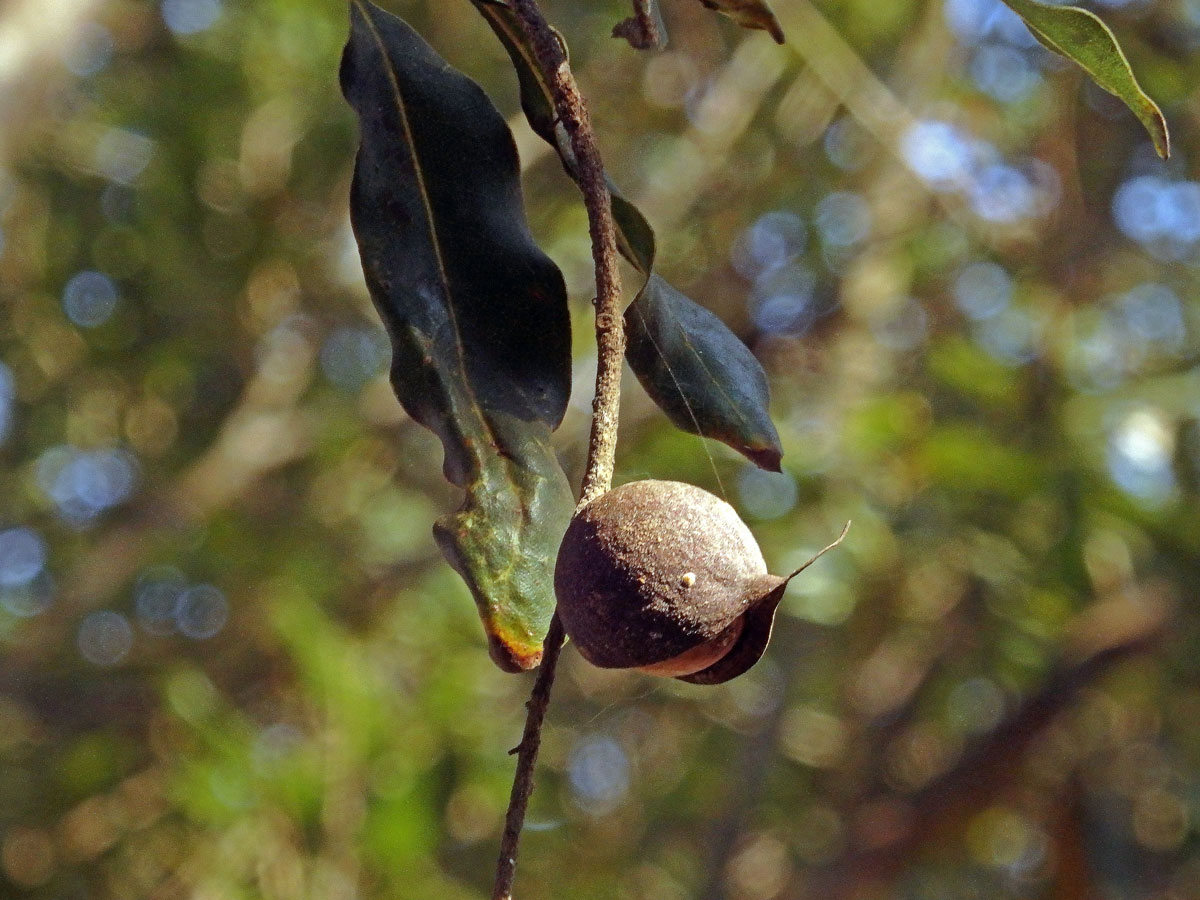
{"points": [[476, 312], [1082, 37], [749, 14], [699, 373], [691, 364]]}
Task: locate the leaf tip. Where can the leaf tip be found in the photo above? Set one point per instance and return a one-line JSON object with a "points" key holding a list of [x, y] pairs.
{"points": [[1162, 139], [512, 657], [766, 458]]}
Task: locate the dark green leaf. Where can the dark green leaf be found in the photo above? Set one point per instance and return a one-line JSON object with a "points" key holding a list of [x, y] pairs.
{"points": [[721, 390], [699, 373], [749, 14], [635, 237], [1080, 36], [476, 312]]}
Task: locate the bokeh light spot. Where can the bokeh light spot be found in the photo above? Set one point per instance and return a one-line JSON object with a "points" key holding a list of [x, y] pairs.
{"points": [[190, 16], [90, 52], [156, 597], [847, 145], [89, 299], [938, 152], [766, 495], [1154, 313], [948, 159], [353, 355], [774, 240], [1140, 450], [1003, 193], [976, 20], [22, 556], [906, 328], [982, 290], [85, 483], [599, 773], [123, 155], [27, 856], [1004, 72], [8, 392], [29, 599], [1162, 215], [202, 612], [1010, 336], [782, 300], [105, 638], [1004, 839], [843, 218]]}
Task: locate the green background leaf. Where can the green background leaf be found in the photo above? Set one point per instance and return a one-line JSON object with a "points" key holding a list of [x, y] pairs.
{"points": [[476, 312], [1082, 37]]}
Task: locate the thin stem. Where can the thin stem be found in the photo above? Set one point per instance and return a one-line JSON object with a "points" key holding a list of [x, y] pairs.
{"points": [[610, 350], [527, 751]]}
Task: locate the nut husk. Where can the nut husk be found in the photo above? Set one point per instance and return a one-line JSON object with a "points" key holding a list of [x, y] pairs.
{"points": [[758, 622], [652, 569]]}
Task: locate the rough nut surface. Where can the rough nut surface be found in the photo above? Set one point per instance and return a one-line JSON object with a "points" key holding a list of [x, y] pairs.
{"points": [[650, 570]]}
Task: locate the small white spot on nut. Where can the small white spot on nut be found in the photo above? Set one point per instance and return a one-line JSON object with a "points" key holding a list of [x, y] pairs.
{"points": [[687, 579]]}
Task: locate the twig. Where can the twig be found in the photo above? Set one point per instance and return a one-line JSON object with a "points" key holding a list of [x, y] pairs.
{"points": [[610, 329], [527, 751], [610, 349], [640, 29]]}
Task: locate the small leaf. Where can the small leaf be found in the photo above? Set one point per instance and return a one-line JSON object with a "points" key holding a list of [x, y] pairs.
{"points": [[699, 373], [749, 14], [477, 315], [1082, 37], [635, 237]]}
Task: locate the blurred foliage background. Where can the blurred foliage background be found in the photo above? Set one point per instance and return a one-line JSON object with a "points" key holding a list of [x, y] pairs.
{"points": [[232, 663]]}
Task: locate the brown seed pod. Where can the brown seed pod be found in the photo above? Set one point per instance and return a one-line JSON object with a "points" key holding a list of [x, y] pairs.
{"points": [[665, 577]]}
